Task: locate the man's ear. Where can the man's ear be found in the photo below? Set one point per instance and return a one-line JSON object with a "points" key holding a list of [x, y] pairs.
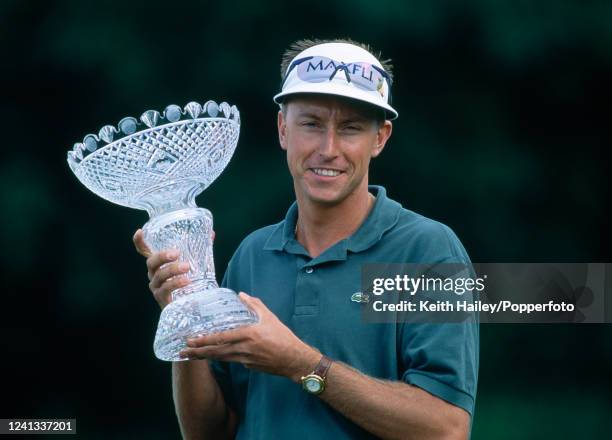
{"points": [[282, 130], [382, 136]]}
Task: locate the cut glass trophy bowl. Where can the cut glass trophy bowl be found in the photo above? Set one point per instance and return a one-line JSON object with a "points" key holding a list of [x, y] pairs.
{"points": [[160, 164]]}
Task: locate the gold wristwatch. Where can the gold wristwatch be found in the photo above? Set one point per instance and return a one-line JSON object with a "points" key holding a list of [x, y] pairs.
{"points": [[314, 383]]}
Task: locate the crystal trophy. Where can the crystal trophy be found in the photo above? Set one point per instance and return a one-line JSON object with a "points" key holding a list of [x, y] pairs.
{"points": [[160, 164]]}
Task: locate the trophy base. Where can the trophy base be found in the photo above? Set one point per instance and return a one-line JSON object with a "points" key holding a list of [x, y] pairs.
{"points": [[200, 313]]}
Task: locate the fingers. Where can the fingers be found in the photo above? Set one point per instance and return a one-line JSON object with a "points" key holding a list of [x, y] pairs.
{"points": [[168, 271], [166, 275], [227, 352], [139, 243], [253, 303], [162, 289], [156, 260], [221, 338], [164, 272], [173, 284], [168, 279]]}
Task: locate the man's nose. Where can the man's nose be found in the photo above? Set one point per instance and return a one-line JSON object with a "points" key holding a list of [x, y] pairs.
{"points": [[329, 144]]}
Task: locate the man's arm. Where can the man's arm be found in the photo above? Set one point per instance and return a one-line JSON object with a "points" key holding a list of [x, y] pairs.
{"points": [[386, 409], [390, 410], [199, 403]]}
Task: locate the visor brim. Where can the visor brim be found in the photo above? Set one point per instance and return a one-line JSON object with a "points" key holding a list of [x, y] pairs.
{"points": [[347, 91]]}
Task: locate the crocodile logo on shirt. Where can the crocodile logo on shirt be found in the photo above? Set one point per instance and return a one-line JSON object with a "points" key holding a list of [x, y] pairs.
{"points": [[360, 297]]}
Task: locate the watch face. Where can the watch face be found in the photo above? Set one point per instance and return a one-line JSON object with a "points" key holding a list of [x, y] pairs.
{"points": [[312, 385]]}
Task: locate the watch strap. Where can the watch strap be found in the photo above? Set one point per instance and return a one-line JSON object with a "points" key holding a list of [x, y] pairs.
{"points": [[322, 367]]}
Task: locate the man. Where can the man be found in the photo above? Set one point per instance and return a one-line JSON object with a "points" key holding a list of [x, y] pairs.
{"points": [[311, 368]]}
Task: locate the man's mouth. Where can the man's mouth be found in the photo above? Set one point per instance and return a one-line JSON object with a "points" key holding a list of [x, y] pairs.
{"points": [[327, 172]]}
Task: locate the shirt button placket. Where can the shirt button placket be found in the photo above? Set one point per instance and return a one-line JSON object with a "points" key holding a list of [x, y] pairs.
{"points": [[306, 291]]}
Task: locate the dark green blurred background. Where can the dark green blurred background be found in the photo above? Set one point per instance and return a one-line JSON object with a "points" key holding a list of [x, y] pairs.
{"points": [[504, 120]]}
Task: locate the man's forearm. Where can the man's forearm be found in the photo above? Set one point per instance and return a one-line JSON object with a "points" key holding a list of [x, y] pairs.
{"points": [[200, 407], [392, 410]]}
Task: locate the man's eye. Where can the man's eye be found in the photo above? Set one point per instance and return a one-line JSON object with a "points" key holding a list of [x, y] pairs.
{"points": [[309, 124]]}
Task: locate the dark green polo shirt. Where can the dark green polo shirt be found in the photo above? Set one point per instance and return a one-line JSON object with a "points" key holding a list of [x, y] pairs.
{"points": [[312, 296]]}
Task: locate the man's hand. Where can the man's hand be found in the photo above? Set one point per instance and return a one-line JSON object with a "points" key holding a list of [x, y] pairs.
{"points": [[164, 271], [267, 346]]}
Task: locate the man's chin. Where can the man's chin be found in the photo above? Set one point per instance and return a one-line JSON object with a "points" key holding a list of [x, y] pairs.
{"points": [[326, 197]]}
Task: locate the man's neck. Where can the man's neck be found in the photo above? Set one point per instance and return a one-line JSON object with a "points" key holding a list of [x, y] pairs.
{"points": [[321, 226]]}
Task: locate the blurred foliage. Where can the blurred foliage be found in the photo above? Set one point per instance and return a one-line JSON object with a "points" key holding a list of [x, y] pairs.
{"points": [[503, 125]]}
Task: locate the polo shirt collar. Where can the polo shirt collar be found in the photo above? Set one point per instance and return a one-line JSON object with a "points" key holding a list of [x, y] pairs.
{"points": [[383, 216]]}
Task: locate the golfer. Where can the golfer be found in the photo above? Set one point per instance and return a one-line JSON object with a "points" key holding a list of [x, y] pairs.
{"points": [[311, 368]]}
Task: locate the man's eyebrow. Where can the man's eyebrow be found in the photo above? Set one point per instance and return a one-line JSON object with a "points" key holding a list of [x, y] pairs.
{"points": [[308, 114], [354, 118]]}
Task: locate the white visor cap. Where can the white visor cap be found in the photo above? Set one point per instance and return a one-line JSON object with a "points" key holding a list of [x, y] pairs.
{"points": [[313, 75]]}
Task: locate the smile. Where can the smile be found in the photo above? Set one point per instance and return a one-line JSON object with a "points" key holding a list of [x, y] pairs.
{"points": [[325, 172]]}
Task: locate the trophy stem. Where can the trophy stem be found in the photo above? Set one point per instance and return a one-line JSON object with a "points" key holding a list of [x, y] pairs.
{"points": [[190, 231], [195, 285]]}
